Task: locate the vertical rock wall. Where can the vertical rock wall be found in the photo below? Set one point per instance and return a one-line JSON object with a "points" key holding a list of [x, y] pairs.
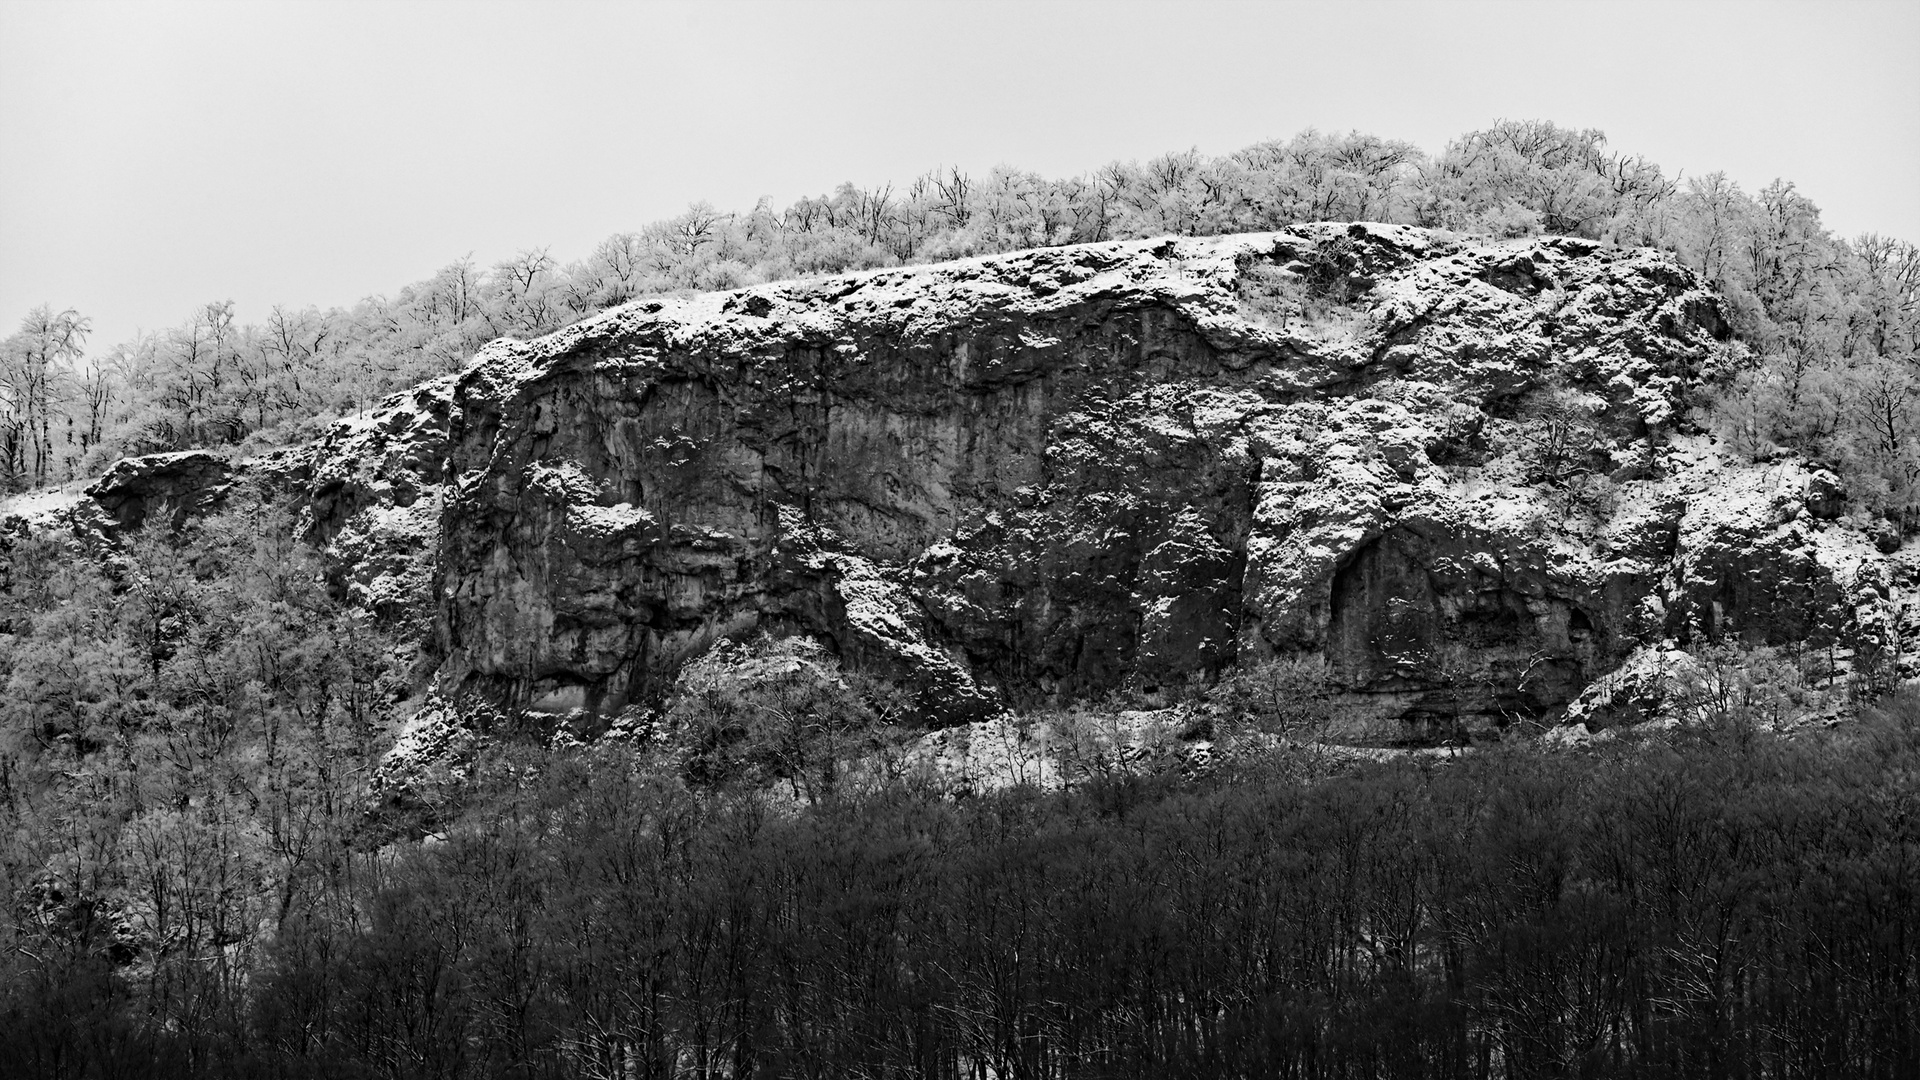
{"points": [[1457, 469]]}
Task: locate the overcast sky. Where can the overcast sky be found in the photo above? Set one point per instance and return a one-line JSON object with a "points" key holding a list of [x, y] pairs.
{"points": [[155, 156]]}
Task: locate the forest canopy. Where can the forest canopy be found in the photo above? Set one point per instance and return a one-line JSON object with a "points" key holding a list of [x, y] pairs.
{"points": [[198, 883], [1830, 321]]}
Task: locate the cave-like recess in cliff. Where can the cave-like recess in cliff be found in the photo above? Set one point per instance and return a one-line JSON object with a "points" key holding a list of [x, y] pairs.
{"points": [[1426, 620]]}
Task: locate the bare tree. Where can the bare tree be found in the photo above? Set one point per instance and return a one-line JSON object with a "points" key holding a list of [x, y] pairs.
{"points": [[520, 291], [35, 368], [955, 196]]}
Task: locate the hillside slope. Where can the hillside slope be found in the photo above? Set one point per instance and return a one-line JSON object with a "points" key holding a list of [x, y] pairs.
{"points": [[1459, 470]]}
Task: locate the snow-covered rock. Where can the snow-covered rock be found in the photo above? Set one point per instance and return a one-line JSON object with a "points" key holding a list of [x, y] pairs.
{"points": [[187, 482], [1460, 470], [1064, 470]]}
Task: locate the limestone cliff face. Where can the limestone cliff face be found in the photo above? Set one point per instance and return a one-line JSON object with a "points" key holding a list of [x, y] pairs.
{"points": [[1459, 469], [372, 502], [181, 484], [1062, 470]]}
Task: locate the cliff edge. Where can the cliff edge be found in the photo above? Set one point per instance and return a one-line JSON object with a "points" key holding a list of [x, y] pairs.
{"points": [[1459, 470]]}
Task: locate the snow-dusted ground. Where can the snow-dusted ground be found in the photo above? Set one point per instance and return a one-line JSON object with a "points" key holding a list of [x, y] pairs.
{"points": [[45, 504]]}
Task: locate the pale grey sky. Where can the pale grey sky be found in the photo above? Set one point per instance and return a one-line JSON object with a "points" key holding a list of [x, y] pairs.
{"points": [[155, 156]]}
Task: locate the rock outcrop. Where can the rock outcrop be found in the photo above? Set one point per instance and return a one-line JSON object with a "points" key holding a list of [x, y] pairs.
{"points": [[373, 502], [185, 484], [1460, 470]]}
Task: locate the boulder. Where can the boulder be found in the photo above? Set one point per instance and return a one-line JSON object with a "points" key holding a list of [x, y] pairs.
{"points": [[185, 483]]}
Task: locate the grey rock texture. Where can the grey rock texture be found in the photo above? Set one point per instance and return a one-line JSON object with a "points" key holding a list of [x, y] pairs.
{"points": [[185, 483], [1057, 471], [372, 501], [1461, 470]]}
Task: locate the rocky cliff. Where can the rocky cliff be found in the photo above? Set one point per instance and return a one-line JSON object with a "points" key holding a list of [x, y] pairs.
{"points": [[1460, 470]]}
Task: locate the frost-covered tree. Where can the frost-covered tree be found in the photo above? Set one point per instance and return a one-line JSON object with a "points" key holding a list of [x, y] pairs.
{"points": [[1525, 176], [1809, 307], [36, 363]]}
